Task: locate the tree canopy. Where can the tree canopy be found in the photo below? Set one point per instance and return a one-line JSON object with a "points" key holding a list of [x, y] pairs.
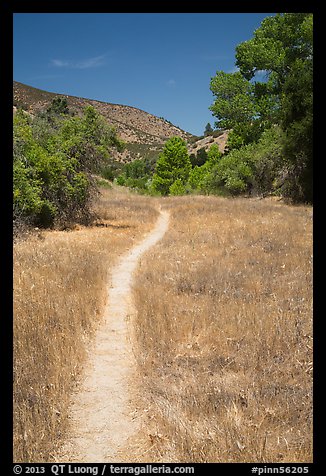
{"points": [[280, 54], [54, 157], [208, 129]]}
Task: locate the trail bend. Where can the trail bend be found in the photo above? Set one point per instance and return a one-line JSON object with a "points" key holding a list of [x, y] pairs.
{"points": [[101, 412]]}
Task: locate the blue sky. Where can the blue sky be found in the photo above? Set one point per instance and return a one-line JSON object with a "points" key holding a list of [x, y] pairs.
{"points": [[159, 62]]}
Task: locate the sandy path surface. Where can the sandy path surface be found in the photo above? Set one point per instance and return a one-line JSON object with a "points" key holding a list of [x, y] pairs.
{"points": [[101, 413]]}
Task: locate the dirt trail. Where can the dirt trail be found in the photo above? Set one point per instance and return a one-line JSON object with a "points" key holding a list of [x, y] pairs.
{"points": [[101, 414]]}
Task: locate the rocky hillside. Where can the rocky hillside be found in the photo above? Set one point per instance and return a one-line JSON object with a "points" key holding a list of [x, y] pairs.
{"points": [[144, 133]]}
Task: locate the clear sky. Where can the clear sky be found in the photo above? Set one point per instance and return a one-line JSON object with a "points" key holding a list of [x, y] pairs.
{"points": [[159, 62]]}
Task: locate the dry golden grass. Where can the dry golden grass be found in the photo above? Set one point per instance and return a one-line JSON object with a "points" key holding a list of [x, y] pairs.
{"points": [[60, 289], [224, 337]]}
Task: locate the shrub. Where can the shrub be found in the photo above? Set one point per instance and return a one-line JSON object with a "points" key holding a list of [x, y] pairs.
{"points": [[27, 190], [111, 170], [120, 180], [267, 161], [177, 188], [53, 162], [232, 172], [198, 177], [256, 168], [214, 154], [59, 105]]}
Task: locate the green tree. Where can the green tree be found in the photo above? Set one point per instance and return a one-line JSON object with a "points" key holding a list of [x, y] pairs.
{"points": [[208, 129], [275, 46], [234, 106], [214, 154], [297, 123], [233, 174], [177, 188], [198, 178], [173, 164], [136, 175], [53, 165], [267, 161], [137, 169], [256, 168], [282, 50], [88, 139], [59, 105], [199, 158]]}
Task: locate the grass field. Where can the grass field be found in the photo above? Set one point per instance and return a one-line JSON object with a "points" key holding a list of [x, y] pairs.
{"points": [[224, 337], [60, 290]]}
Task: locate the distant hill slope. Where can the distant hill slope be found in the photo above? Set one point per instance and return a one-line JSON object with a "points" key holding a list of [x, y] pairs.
{"points": [[206, 142], [144, 133]]}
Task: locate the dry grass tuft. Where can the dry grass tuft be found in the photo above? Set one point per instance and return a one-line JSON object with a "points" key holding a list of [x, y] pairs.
{"points": [[60, 289], [224, 338]]}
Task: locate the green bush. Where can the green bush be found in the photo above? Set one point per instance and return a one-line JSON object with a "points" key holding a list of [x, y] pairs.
{"points": [[121, 180], [111, 170], [27, 190], [214, 154], [59, 105], [256, 168], [199, 158], [232, 173], [108, 173], [137, 169], [46, 215], [53, 162], [137, 183], [198, 178], [177, 188], [268, 162]]}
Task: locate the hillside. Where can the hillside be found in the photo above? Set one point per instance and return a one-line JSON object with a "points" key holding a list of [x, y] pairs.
{"points": [[206, 142], [143, 132]]}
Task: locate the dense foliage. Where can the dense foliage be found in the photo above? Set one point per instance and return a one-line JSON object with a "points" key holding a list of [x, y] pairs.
{"points": [[266, 106], [54, 156], [173, 165], [135, 174], [208, 129], [280, 52]]}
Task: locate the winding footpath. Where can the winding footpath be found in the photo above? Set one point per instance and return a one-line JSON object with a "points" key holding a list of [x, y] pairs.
{"points": [[101, 412]]}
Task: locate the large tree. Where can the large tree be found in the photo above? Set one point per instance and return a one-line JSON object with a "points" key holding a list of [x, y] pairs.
{"points": [[282, 50]]}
